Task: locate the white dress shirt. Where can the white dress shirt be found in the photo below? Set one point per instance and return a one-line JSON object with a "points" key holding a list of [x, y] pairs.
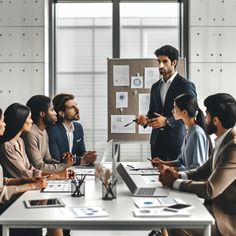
{"points": [[70, 136], [165, 86]]}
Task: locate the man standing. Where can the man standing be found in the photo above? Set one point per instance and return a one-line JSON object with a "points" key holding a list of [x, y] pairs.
{"points": [[67, 134], [215, 179], [167, 133], [36, 140]]}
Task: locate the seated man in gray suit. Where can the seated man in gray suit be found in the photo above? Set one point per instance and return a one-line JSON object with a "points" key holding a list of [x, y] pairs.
{"points": [[215, 180]]}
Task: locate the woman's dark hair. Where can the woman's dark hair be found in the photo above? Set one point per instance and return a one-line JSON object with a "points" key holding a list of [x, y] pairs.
{"points": [[14, 116], [0, 113], [189, 103]]}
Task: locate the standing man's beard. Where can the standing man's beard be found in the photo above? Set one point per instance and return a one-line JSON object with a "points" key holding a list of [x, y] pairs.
{"points": [[211, 128]]}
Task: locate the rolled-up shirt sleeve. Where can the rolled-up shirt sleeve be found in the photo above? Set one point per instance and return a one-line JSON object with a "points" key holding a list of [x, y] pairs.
{"points": [[6, 192]]}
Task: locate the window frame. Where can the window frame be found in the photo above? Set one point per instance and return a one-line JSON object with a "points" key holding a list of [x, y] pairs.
{"points": [[183, 35]]}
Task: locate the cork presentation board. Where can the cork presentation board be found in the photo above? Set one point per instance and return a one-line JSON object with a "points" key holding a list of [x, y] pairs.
{"points": [[135, 68]]}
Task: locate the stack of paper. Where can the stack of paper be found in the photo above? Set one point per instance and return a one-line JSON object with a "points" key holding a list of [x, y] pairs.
{"points": [[155, 212], [151, 207], [84, 212], [147, 202]]}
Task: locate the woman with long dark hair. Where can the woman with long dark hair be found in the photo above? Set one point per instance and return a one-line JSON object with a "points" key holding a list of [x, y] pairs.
{"points": [[13, 158], [15, 161], [197, 144], [10, 187]]}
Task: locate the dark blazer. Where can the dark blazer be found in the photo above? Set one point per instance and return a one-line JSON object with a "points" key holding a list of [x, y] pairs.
{"points": [[218, 186], [175, 131], [58, 142]]}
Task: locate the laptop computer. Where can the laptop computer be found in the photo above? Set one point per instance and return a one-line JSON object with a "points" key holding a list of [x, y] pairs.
{"points": [[107, 154], [137, 186], [90, 170]]}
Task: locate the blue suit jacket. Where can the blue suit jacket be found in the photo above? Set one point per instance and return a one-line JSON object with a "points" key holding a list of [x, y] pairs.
{"points": [[175, 131], [58, 142]]}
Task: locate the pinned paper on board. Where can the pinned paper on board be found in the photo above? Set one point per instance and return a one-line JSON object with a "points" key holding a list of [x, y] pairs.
{"points": [[120, 75], [119, 121], [143, 106], [121, 99], [136, 81], [151, 75]]}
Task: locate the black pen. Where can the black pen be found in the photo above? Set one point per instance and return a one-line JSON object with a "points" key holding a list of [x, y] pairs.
{"points": [[131, 122], [130, 166], [146, 125], [149, 159]]}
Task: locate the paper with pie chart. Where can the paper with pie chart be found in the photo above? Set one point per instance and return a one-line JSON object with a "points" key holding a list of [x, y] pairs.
{"points": [[121, 99], [136, 81]]}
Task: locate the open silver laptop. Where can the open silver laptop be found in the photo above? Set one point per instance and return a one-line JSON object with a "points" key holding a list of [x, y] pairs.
{"points": [[107, 154], [90, 170], [137, 186]]}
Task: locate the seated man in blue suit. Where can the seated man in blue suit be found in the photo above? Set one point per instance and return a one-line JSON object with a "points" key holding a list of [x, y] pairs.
{"points": [[67, 134]]}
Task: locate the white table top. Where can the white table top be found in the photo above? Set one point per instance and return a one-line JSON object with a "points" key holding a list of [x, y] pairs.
{"points": [[119, 210]]}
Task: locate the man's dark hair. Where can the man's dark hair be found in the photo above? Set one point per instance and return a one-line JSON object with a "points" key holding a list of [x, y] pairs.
{"points": [[222, 106], [169, 51], [59, 103], [37, 104]]}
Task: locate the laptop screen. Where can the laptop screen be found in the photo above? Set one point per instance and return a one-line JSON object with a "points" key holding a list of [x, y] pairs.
{"points": [[107, 154], [127, 179]]}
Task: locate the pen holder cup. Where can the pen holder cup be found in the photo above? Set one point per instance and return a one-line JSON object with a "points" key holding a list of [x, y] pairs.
{"points": [[77, 188], [109, 191]]}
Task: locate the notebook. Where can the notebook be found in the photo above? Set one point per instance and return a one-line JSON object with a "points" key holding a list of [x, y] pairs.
{"points": [[137, 186]]}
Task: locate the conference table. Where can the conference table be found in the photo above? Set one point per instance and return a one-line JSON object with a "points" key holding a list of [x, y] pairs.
{"points": [[120, 212]]}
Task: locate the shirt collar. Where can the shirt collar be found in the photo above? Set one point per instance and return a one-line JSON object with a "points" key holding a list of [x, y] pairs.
{"points": [[170, 80], [219, 140], [35, 127], [71, 129]]}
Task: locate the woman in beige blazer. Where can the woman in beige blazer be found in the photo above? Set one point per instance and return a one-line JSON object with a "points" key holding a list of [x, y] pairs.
{"points": [[13, 156]]}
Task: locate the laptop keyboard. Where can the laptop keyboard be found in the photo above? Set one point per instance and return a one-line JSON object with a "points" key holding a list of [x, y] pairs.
{"points": [[145, 191]]}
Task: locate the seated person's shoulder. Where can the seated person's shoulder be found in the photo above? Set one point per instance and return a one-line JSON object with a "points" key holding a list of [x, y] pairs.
{"points": [[77, 125], [7, 147], [52, 128]]}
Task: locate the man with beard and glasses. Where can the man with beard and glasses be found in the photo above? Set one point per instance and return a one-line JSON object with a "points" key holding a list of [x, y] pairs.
{"points": [[67, 134], [36, 140], [215, 180], [167, 133]]}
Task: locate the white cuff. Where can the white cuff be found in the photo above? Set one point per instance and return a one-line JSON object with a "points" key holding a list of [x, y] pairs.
{"points": [[183, 175], [177, 183]]}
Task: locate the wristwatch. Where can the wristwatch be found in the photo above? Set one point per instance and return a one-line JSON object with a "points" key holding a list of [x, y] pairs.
{"points": [[168, 122]]}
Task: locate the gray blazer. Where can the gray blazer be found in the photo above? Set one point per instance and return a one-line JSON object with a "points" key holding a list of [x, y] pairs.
{"points": [[218, 187]]}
